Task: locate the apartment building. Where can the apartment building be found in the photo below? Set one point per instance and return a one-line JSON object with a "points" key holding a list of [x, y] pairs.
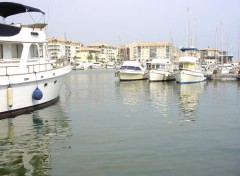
{"points": [[62, 48], [107, 52], [146, 51], [123, 53], [212, 56]]}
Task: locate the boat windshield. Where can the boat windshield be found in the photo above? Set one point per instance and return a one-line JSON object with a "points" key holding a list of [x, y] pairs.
{"points": [[158, 66], [186, 65], [130, 68]]}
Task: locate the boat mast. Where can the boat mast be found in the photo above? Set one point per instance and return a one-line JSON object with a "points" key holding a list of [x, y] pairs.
{"points": [[222, 47], [187, 35]]}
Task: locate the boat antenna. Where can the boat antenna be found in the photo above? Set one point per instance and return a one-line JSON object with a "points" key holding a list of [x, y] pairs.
{"points": [[238, 47], [222, 45], [48, 17], [187, 35]]}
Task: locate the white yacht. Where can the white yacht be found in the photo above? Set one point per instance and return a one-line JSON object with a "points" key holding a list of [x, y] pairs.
{"points": [[28, 78], [132, 70], [190, 70], [161, 69]]}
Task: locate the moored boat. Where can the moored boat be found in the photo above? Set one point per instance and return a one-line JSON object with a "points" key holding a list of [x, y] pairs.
{"points": [[29, 79], [96, 65], [132, 70], [190, 70], [161, 69]]}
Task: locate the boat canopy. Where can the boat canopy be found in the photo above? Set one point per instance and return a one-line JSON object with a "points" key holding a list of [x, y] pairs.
{"points": [[189, 49], [7, 30], [10, 8]]}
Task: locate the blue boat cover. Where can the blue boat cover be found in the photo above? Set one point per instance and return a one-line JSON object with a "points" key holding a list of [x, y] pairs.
{"points": [[189, 49], [11, 8]]}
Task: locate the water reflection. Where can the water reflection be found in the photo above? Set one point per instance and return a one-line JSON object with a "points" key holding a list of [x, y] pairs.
{"points": [[132, 92], [160, 95], [189, 95], [26, 141]]}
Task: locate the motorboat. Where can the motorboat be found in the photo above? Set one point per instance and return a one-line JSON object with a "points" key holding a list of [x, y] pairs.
{"points": [[226, 68], [96, 65], [29, 79], [110, 65], [79, 65], [190, 70], [161, 69], [132, 70]]}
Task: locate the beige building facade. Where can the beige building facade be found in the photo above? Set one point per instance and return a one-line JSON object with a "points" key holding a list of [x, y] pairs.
{"points": [[62, 48], [107, 52], [146, 51]]}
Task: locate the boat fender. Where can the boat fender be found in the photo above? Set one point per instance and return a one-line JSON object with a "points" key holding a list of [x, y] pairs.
{"points": [[37, 94], [10, 96]]}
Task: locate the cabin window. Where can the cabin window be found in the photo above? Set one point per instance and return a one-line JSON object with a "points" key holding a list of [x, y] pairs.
{"points": [[189, 65], [130, 67], [137, 68], [180, 66], [34, 51], [40, 50], [1, 51], [123, 67], [162, 66], [17, 50]]}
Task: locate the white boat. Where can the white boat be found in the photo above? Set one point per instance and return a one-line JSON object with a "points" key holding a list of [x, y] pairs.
{"points": [[190, 70], [28, 78], [110, 65], [96, 65], [226, 68], [161, 69], [79, 65], [132, 70]]}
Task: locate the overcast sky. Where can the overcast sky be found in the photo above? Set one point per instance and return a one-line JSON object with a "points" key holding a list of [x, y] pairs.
{"points": [[211, 22]]}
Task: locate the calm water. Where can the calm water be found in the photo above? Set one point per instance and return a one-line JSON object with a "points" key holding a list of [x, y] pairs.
{"points": [[102, 127]]}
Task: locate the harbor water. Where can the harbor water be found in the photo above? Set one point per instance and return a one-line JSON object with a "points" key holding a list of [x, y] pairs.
{"points": [[103, 127]]}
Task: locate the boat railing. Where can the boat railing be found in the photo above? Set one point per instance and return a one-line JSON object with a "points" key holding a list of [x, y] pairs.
{"points": [[32, 68]]}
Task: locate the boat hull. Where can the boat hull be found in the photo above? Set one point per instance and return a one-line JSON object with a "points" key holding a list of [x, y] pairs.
{"points": [[160, 75], [186, 77], [22, 91], [132, 75]]}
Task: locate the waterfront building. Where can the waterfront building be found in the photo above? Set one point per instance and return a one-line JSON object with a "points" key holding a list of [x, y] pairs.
{"points": [[209, 55], [63, 48], [146, 51], [88, 54], [213, 56], [123, 53], [108, 53]]}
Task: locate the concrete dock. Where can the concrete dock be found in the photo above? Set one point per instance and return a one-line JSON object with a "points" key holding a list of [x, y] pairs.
{"points": [[223, 76]]}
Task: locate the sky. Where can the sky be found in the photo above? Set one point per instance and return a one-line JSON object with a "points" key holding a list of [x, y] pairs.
{"points": [[214, 23]]}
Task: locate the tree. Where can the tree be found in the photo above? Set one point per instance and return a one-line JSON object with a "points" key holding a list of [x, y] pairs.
{"points": [[90, 57], [96, 58]]}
